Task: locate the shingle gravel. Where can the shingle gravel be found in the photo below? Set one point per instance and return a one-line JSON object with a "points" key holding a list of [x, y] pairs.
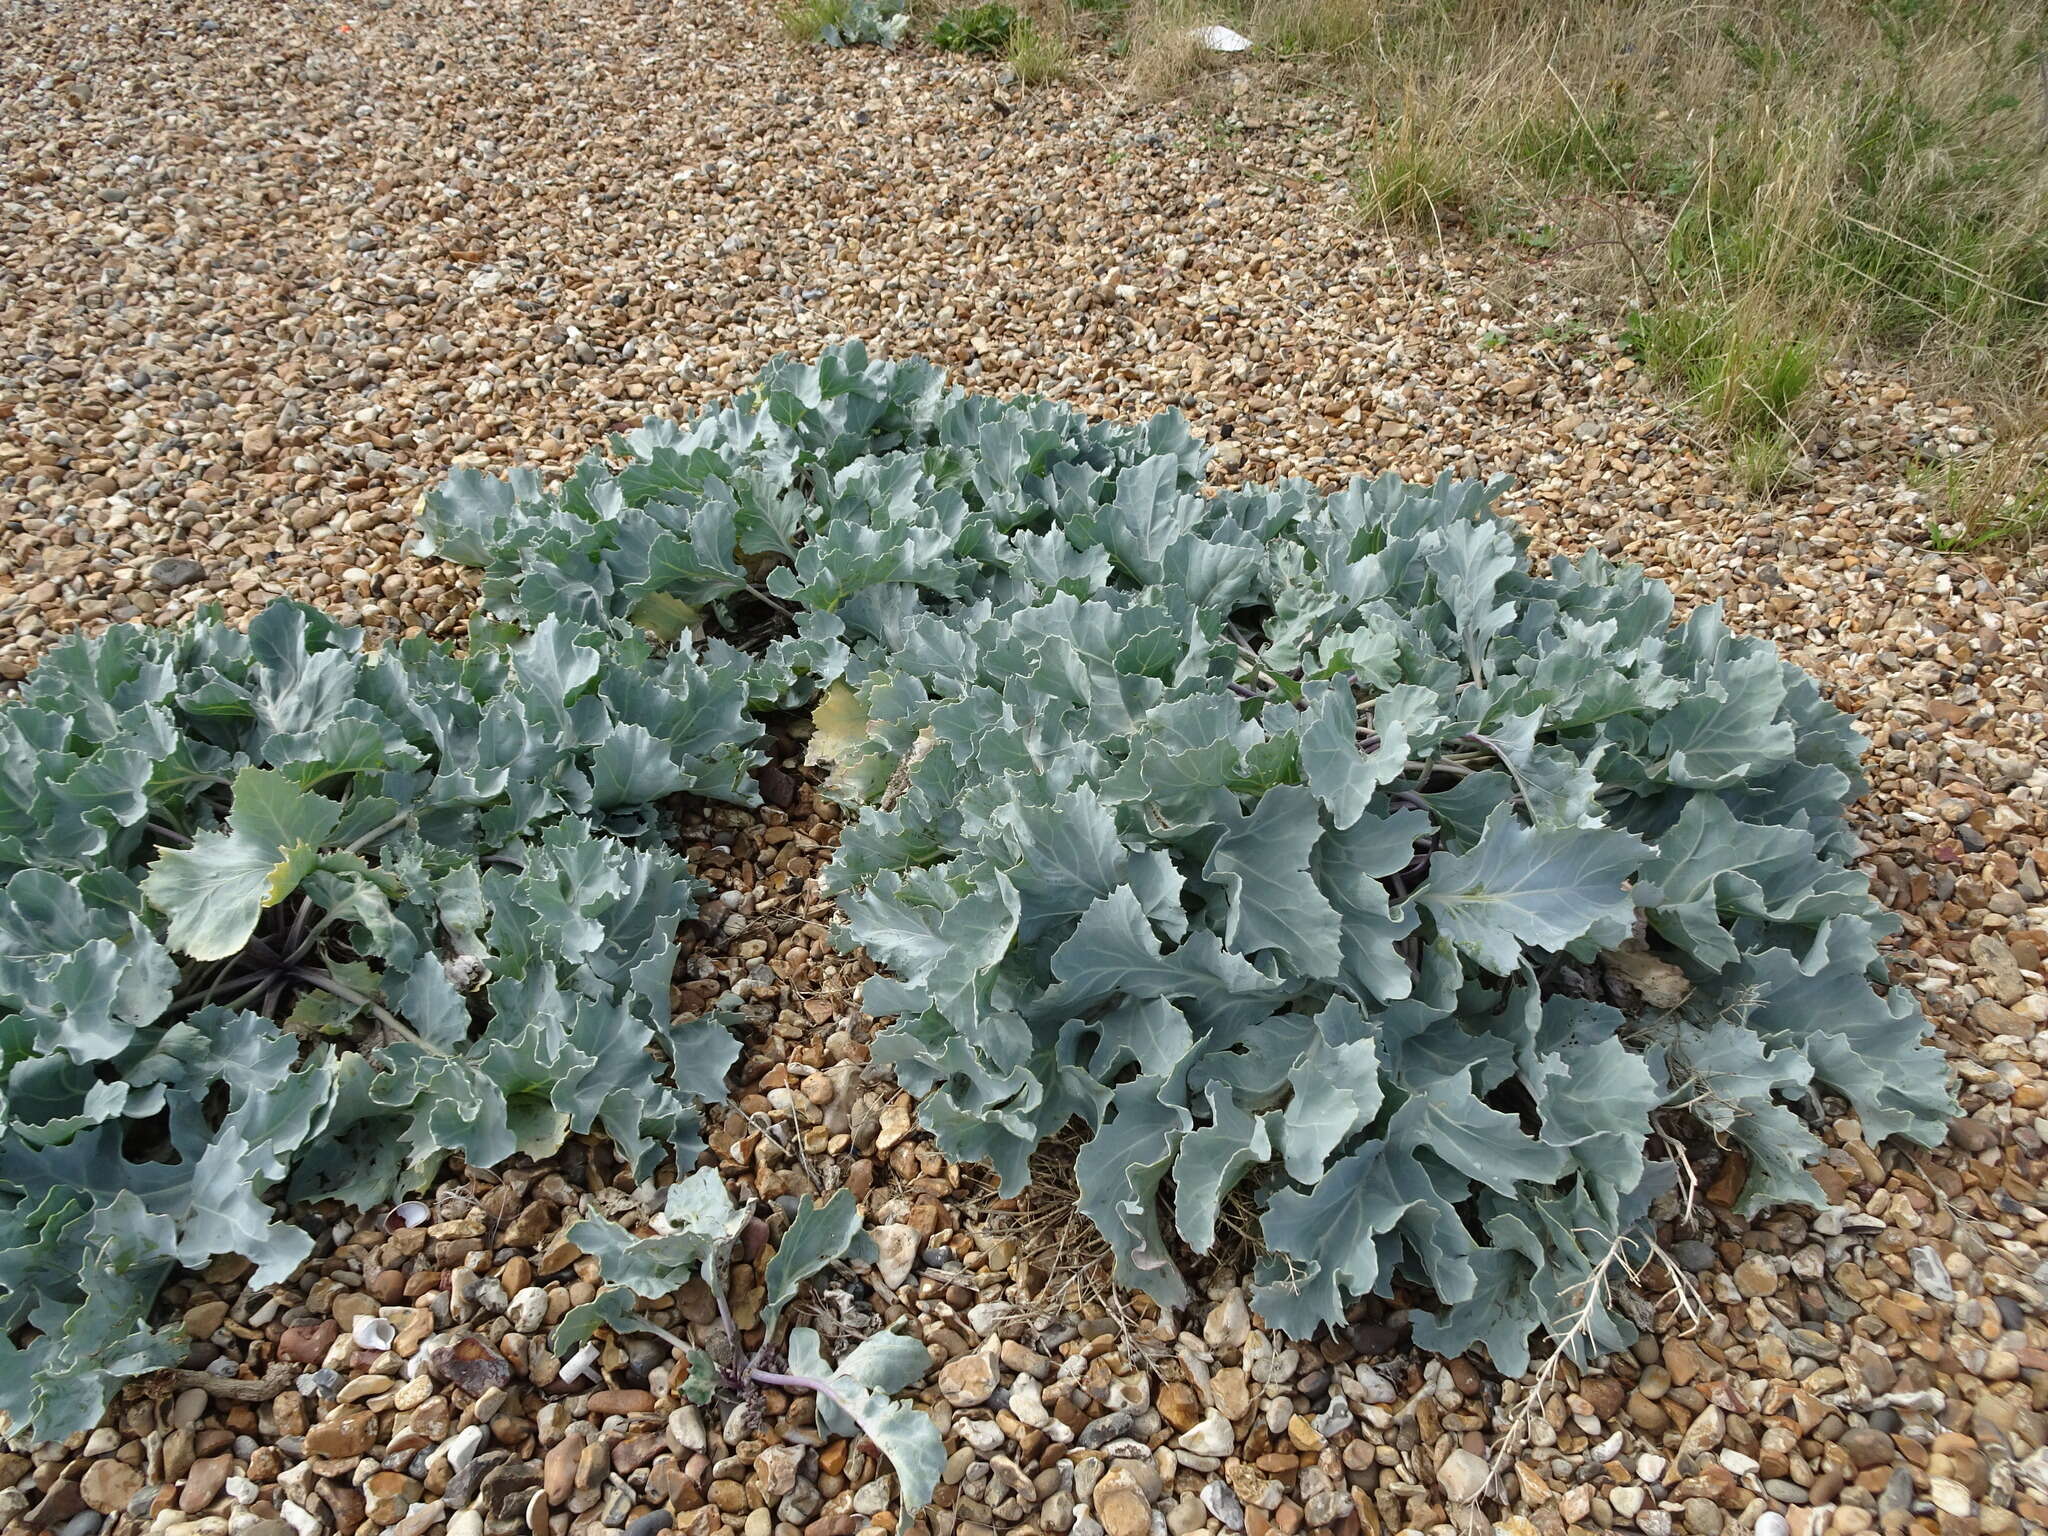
{"points": [[270, 270]]}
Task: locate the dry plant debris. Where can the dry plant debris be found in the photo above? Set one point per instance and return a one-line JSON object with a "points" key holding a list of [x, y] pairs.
{"points": [[271, 273]]}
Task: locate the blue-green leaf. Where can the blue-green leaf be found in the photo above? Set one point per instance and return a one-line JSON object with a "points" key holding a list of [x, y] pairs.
{"points": [[698, 1221], [1212, 1160], [1520, 886], [901, 1431], [1262, 861], [822, 1233], [1119, 1173], [214, 891]]}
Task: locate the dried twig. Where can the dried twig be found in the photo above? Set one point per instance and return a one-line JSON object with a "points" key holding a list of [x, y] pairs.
{"points": [[1595, 1290], [233, 1388]]}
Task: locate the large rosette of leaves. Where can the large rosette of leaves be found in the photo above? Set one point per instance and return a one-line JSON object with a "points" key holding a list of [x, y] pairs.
{"points": [[1310, 851], [277, 914]]}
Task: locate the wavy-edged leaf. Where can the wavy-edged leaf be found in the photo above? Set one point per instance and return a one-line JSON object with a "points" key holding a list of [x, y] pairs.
{"points": [[1443, 1117], [698, 1221], [1262, 861], [823, 1232], [214, 891], [887, 1362], [614, 1307], [1119, 1173], [1542, 888], [1212, 1160], [902, 1431], [1334, 1091], [1349, 866]]}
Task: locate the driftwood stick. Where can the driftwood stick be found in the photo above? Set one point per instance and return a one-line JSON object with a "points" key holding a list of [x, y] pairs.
{"points": [[262, 1390]]}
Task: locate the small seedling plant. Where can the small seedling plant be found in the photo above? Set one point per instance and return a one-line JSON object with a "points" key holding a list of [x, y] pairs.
{"points": [[693, 1239]]}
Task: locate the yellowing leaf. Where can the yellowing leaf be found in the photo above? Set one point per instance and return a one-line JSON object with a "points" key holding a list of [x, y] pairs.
{"points": [[839, 729], [1660, 983], [838, 725], [214, 891], [664, 616], [298, 860]]}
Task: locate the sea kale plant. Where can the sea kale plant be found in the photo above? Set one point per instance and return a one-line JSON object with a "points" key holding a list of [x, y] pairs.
{"points": [[1312, 853], [1330, 873], [280, 915], [847, 23]]}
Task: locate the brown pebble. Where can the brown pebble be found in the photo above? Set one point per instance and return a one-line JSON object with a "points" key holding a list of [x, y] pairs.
{"points": [[308, 1343], [1754, 1277], [621, 1400], [344, 1434]]}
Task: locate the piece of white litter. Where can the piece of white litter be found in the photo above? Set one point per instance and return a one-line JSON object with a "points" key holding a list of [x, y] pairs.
{"points": [[1220, 39], [410, 1213], [373, 1333], [579, 1364]]}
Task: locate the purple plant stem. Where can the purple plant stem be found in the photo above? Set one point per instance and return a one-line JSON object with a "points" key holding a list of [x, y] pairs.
{"points": [[807, 1384]]}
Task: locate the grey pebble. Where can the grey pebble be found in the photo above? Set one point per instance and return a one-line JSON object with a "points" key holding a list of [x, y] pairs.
{"points": [[175, 571], [1932, 1275]]}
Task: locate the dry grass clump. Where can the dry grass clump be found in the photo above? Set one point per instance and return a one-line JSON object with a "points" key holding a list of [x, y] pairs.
{"points": [[1162, 55], [1997, 496], [1763, 188], [1039, 52], [1069, 1263]]}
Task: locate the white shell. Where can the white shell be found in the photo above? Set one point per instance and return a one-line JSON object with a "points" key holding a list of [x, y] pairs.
{"points": [[411, 1213], [373, 1333], [1220, 39]]}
